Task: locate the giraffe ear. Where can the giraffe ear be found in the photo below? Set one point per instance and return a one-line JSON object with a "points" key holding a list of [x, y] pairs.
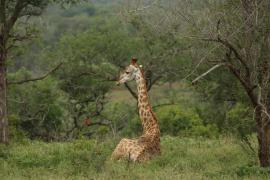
{"points": [[134, 61]]}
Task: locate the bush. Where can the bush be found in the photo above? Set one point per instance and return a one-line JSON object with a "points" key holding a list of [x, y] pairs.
{"points": [[176, 120]]}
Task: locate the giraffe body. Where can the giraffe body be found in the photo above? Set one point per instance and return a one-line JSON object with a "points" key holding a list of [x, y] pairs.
{"points": [[148, 144]]}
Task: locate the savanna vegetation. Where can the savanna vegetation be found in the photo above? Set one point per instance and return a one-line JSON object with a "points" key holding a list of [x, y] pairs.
{"points": [[207, 70]]}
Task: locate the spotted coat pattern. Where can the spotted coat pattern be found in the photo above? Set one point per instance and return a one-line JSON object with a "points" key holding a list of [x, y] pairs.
{"points": [[148, 144]]}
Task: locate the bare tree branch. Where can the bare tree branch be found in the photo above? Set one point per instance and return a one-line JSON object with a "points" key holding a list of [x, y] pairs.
{"points": [[207, 72], [38, 78]]}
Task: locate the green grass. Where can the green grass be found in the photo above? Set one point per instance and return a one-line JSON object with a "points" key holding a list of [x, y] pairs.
{"points": [[182, 158]]}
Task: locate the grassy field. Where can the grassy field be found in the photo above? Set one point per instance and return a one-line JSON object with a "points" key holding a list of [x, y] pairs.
{"points": [[182, 158]]}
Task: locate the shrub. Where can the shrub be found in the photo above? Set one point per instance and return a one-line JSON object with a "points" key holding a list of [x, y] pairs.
{"points": [[176, 120]]}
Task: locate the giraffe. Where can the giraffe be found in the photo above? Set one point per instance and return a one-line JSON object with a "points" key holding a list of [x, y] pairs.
{"points": [[148, 144]]}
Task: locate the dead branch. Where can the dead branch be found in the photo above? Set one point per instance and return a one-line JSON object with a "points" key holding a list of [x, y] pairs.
{"points": [[207, 72], [37, 78]]}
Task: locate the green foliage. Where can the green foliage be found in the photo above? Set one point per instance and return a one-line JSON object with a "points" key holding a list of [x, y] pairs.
{"points": [[176, 120], [37, 108], [93, 45]]}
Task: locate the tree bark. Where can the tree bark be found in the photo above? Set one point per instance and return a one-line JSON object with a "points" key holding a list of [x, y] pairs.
{"points": [[3, 97], [263, 135]]}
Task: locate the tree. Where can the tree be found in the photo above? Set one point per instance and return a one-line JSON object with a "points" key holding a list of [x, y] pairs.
{"points": [[233, 35], [12, 11], [245, 49], [247, 59]]}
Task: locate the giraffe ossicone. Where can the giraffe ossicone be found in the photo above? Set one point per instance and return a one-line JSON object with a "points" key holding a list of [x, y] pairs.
{"points": [[148, 144]]}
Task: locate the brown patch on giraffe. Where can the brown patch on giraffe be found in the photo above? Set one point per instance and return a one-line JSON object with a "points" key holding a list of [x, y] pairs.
{"points": [[141, 111], [144, 99], [145, 114]]}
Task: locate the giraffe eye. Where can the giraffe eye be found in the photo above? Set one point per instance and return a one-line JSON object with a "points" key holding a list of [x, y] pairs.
{"points": [[127, 72]]}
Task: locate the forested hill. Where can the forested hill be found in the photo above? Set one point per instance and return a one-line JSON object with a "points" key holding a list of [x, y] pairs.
{"points": [[95, 40]]}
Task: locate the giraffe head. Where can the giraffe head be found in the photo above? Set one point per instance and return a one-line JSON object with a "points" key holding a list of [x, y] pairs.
{"points": [[130, 73]]}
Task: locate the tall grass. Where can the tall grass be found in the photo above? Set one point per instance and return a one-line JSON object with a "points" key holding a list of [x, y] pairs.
{"points": [[182, 158]]}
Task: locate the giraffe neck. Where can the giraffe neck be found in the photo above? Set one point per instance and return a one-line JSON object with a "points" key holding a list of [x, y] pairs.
{"points": [[148, 118]]}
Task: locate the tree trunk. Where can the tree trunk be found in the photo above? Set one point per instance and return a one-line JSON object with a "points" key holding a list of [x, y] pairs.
{"points": [[3, 98], [263, 135]]}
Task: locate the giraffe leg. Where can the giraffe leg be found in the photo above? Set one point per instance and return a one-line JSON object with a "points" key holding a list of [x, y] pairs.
{"points": [[146, 151], [134, 152], [122, 149], [142, 155]]}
